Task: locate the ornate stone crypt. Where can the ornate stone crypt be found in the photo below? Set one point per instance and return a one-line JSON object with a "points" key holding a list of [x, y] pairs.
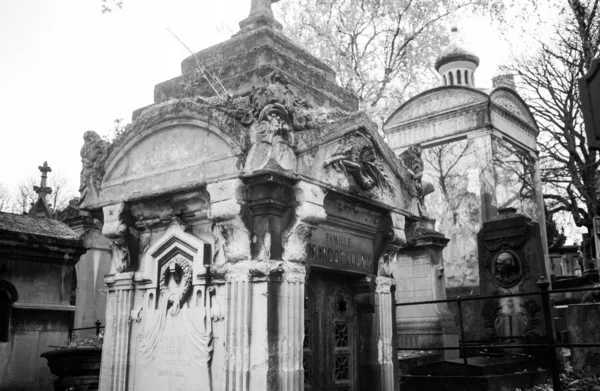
{"points": [[256, 217]]}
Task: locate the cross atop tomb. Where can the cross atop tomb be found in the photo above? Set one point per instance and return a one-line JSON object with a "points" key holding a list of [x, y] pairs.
{"points": [[40, 208], [261, 15], [43, 190]]}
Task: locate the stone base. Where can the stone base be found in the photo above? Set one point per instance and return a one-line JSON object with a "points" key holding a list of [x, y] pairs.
{"points": [[484, 373], [408, 359]]}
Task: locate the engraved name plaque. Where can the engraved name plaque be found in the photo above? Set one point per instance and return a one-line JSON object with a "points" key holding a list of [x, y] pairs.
{"points": [[339, 250]]}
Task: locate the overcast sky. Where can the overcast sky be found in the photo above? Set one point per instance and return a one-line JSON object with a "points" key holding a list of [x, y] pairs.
{"points": [[67, 68]]}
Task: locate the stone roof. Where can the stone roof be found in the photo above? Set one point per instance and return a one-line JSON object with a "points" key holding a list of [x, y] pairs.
{"points": [[22, 224]]}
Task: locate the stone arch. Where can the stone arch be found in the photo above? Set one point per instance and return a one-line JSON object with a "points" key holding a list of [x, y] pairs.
{"points": [[169, 155], [10, 289], [434, 101]]}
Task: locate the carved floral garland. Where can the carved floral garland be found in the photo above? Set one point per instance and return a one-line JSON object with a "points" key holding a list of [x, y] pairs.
{"points": [[177, 298]]}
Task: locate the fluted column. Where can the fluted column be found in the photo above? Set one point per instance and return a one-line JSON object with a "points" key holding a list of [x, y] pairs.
{"points": [[384, 312], [115, 352], [291, 327]]}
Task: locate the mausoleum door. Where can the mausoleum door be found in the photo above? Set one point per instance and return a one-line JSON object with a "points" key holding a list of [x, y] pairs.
{"points": [[330, 343]]}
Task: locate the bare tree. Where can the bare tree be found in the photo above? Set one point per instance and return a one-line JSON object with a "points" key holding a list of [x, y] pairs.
{"points": [[382, 50], [549, 84], [5, 198]]}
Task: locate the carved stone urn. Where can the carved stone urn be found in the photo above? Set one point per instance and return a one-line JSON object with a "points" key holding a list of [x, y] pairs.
{"points": [[77, 368]]}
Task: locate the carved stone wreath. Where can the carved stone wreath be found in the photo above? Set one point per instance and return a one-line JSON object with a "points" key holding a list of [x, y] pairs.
{"points": [[167, 271]]}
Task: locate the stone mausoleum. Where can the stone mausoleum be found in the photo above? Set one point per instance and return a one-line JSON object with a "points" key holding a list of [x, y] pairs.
{"points": [[38, 254], [258, 226], [479, 150]]}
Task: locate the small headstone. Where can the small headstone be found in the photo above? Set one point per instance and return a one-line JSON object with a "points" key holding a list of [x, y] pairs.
{"points": [[511, 262]]}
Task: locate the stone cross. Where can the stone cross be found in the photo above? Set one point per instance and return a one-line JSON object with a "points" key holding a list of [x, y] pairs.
{"points": [[43, 190], [262, 7], [261, 15]]}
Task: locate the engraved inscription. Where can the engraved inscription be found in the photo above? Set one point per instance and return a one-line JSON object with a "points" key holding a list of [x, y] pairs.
{"points": [[341, 251]]}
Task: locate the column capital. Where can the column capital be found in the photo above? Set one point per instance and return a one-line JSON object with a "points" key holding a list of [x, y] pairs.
{"points": [[308, 214]]}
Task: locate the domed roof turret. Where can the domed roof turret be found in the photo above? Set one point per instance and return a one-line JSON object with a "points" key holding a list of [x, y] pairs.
{"points": [[455, 52], [456, 65]]}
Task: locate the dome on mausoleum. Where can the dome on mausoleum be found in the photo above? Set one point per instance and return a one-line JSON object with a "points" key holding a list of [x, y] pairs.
{"points": [[456, 64]]}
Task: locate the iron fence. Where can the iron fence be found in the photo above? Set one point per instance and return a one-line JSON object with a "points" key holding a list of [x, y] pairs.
{"points": [[550, 346], [98, 326]]}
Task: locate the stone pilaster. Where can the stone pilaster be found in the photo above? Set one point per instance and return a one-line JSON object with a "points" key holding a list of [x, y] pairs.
{"points": [[291, 327], [115, 352], [386, 341], [265, 325]]}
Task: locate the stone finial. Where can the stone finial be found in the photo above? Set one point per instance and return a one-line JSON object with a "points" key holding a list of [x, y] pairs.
{"points": [[504, 81], [41, 208], [261, 15]]}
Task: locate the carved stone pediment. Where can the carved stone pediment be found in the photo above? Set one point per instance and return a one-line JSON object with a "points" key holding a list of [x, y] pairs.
{"points": [[508, 100], [435, 101], [349, 156]]}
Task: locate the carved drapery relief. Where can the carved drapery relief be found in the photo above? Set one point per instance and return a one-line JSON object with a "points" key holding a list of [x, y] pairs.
{"points": [[412, 160], [356, 158], [93, 155], [232, 238], [308, 214], [197, 325], [116, 229]]}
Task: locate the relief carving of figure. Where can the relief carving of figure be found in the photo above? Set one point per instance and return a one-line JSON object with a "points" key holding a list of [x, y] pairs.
{"points": [[356, 158], [506, 269], [412, 160], [93, 155], [120, 254], [274, 108]]}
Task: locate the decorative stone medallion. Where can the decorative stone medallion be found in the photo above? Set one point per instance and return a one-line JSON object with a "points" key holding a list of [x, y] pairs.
{"points": [[507, 269]]}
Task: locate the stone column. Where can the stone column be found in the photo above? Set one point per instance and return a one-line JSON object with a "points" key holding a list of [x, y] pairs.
{"points": [[265, 297], [264, 326], [418, 271], [386, 342], [115, 352]]}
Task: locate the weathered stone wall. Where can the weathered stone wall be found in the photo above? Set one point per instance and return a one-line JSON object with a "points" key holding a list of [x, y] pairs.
{"points": [[474, 177], [39, 321]]}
